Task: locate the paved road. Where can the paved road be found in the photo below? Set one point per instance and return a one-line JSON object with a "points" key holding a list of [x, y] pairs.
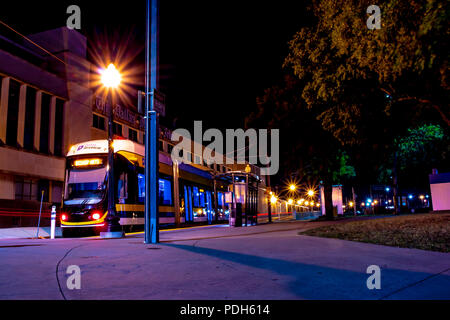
{"points": [[258, 262]]}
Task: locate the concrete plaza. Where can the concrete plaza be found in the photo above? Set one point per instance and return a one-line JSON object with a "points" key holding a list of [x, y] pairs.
{"points": [[217, 262]]}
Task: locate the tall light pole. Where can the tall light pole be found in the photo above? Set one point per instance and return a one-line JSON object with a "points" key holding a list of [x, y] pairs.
{"points": [[151, 126], [111, 79]]}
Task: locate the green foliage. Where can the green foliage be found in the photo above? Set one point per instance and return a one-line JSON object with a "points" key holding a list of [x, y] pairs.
{"points": [[420, 149], [420, 145], [343, 170]]}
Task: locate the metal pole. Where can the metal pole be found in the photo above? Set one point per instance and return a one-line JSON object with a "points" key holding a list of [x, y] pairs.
{"points": [[269, 199], [112, 228], [151, 128], [354, 201], [53, 223]]}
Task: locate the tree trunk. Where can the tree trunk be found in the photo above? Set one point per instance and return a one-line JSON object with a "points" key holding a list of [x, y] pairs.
{"points": [[328, 200], [395, 187]]}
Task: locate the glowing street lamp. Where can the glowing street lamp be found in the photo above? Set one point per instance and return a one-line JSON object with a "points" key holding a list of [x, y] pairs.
{"points": [[290, 201], [111, 78], [273, 199], [311, 193], [292, 187]]}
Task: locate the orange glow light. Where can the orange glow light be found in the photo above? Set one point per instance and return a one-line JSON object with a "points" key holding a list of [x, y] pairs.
{"points": [[87, 162]]}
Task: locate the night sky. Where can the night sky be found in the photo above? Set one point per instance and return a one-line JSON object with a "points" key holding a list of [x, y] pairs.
{"points": [[215, 57]]}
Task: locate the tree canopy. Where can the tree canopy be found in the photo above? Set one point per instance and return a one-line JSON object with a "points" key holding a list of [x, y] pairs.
{"points": [[347, 67]]}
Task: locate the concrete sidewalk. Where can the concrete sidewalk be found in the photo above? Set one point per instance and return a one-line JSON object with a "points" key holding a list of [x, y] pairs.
{"points": [[27, 232], [260, 262]]}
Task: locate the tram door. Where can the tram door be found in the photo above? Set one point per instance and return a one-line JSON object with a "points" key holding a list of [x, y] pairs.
{"points": [[188, 203], [209, 207]]}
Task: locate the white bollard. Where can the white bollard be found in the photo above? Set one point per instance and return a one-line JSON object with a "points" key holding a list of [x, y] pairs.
{"points": [[53, 223]]}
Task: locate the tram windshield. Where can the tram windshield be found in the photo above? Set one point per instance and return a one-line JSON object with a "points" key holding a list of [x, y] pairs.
{"points": [[85, 186]]}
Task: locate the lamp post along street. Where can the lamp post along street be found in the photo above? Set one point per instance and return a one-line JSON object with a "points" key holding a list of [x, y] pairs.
{"points": [[112, 228], [151, 126]]}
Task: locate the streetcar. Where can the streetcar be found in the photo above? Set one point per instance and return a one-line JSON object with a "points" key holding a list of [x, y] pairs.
{"points": [[85, 191]]}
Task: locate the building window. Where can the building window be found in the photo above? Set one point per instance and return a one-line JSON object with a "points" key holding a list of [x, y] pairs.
{"points": [[13, 113], [30, 107], [59, 122], [117, 129], [45, 123], [25, 189], [132, 135], [43, 185], [98, 122]]}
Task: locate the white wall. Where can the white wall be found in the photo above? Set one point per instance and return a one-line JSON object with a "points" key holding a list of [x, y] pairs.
{"points": [[440, 196]]}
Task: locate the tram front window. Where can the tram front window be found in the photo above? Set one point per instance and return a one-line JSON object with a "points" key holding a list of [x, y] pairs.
{"points": [[85, 186]]}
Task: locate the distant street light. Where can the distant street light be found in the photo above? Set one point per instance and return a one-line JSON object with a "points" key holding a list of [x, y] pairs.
{"points": [[292, 187], [273, 199], [290, 201], [311, 193]]}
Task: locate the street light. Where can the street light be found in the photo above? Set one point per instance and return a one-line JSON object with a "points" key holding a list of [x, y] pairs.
{"points": [[311, 193], [273, 199], [292, 187], [290, 201], [111, 78]]}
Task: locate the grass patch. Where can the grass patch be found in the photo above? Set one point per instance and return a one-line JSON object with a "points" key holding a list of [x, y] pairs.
{"points": [[421, 231]]}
